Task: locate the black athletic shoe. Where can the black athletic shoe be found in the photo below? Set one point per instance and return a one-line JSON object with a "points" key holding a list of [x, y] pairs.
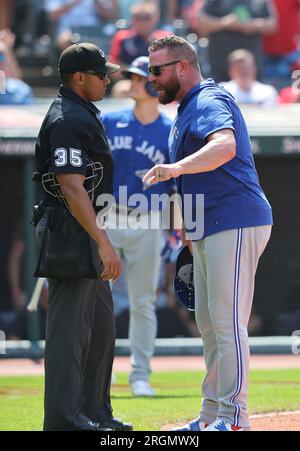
{"points": [[115, 424], [83, 423]]}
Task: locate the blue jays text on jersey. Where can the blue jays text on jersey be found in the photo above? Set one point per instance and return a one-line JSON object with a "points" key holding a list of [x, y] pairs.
{"points": [[155, 155], [136, 147]]}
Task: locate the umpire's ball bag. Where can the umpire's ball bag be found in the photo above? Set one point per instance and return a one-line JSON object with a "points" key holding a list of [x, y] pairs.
{"points": [[67, 251]]}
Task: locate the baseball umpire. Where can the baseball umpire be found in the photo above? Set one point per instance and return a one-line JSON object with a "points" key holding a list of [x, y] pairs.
{"points": [[74, 165], [139, 138]]}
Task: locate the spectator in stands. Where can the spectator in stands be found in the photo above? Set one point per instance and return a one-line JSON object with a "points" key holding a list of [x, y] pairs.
{"points": [[289, 94], [13, 91], [184, 9], [243, 85], [281, 54], [66, 14], [6, 13], [31, 26], [232, 24], [12, 68], [129, 44], [125, 5]]}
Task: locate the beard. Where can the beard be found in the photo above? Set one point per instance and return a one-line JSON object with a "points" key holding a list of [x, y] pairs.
{"points": [[170, 92]]}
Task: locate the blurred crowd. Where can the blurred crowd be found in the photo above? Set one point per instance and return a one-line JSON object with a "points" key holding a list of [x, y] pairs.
{"points": [[250, 46]]}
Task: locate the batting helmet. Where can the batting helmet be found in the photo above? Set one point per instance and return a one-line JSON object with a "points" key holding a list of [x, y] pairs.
{"points": [[184, 279], [140, 66]]}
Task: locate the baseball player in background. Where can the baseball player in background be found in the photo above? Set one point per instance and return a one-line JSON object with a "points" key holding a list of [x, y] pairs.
{"points": [[211, 154], [138, 139]]}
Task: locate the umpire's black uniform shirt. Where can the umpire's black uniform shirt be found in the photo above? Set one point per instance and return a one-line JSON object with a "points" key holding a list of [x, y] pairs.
{"points": [[71, 136], [80, 332]]}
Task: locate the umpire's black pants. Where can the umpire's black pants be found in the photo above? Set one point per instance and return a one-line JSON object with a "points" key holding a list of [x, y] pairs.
{"points": [[79, 350], [80, 337]]}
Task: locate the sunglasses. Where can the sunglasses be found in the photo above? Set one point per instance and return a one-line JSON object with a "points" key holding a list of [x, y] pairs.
{"points": [[98, 74], [156, 70]]}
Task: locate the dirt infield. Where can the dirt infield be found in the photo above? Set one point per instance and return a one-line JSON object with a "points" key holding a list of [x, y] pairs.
{"points": [[287, 421]]}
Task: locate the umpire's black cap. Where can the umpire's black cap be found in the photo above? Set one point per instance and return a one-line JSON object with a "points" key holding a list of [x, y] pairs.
{"points": [[184, 279], [84, 57]]}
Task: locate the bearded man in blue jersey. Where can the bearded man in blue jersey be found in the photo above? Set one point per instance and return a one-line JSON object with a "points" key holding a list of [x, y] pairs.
{"points": [[211, 155], [138, 139]]}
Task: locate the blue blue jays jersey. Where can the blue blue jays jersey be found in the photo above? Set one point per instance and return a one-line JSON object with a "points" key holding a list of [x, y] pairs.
{"points": [[135, 149], [233, 197]]}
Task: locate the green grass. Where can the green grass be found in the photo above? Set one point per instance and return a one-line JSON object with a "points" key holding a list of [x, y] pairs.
{"points": [[178, 398]]}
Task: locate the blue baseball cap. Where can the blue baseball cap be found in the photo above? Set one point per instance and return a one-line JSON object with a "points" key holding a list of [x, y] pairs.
{"points": [[184, 279], [138, 66]]}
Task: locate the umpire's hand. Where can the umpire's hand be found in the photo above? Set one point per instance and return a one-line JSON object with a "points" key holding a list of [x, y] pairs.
{"points": [[110, 260]]}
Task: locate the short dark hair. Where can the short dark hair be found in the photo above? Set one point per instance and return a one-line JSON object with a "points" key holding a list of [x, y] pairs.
{"points": [[66, 79], [179, 47]]}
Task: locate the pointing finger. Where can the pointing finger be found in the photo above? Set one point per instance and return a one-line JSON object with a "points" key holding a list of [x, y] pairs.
{"points": [[149, 174]]}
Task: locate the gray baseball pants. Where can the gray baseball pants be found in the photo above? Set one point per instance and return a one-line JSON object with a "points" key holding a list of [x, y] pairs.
{"points": [[141, 252], [224, 271]]}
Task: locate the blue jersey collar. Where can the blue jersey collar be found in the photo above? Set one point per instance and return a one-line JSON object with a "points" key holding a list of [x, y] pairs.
{"points": [[195, 90]]}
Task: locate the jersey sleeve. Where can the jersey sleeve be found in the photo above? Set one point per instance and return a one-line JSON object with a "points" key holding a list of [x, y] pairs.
{"points": [[212, 116], [68, 147]]}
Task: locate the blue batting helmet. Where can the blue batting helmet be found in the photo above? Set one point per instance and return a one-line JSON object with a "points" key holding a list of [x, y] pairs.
{"points": [[184, 279], [140, 66]]}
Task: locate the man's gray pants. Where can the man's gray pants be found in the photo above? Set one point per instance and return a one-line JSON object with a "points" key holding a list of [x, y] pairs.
{"points": [[140, 250], [224, 271]]}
